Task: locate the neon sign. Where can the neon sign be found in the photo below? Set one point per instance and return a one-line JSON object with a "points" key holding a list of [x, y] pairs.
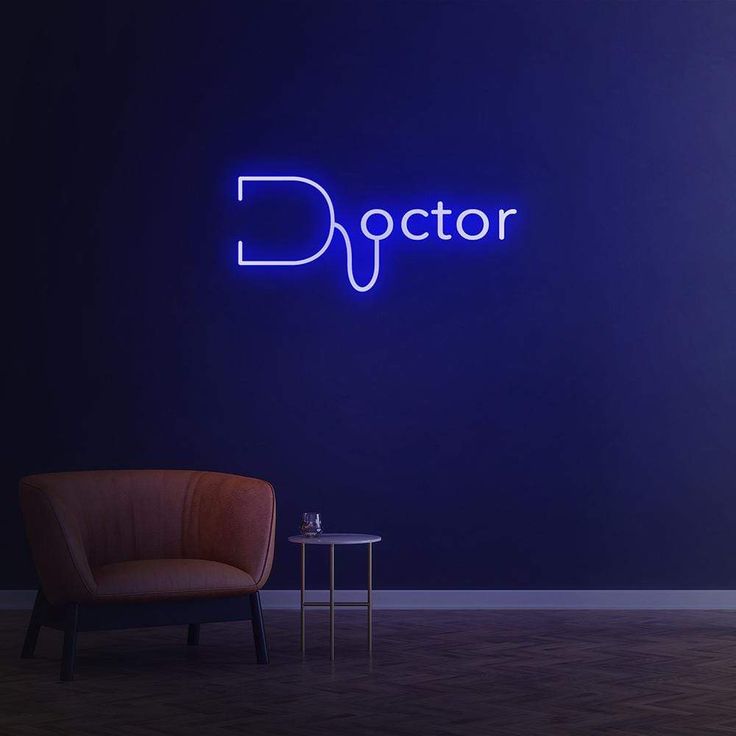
{"points": [[414, 225]]}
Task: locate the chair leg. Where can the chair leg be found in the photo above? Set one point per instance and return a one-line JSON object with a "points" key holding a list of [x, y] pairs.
{"points": [[69, 652], [193, 635], [259, 631], [34, 626]]}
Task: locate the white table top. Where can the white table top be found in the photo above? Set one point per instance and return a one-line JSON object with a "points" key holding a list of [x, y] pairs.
{"points": [[336, 539]]}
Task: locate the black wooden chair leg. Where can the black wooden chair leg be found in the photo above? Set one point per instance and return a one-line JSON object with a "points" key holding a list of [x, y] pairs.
{"points": [[259, 631], [193, 635], [71, 617], [34, 626]]}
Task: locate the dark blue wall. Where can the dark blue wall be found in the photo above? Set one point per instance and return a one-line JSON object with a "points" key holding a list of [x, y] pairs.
{"points": [[555, 411]]}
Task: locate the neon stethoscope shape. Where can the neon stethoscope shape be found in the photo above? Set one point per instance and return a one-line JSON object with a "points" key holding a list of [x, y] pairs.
{"points": [[334, 225]]}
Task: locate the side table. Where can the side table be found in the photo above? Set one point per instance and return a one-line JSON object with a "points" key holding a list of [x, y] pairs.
{"points": [[332, 540]]}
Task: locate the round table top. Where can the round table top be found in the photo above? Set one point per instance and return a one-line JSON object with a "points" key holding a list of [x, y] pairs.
{"points": [[336, 539]]}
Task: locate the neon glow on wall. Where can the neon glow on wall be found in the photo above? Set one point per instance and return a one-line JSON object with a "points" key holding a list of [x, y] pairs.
{"points": [[414, 224]]}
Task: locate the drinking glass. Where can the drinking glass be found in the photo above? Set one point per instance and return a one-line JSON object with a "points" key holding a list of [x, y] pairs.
{"points": [[311, 525]]}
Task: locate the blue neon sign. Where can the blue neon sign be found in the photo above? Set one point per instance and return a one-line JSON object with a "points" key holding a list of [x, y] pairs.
{"points": [[414, 225]]}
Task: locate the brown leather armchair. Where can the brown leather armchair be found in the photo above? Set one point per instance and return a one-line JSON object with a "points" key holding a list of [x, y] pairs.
{"points": [[128, 548]]}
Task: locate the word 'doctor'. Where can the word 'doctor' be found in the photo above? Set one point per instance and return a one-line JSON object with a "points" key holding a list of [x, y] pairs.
{"points": [[378, 224]]}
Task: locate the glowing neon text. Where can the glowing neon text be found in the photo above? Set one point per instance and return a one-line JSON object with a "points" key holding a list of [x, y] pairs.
{"points": [[378, 224]]}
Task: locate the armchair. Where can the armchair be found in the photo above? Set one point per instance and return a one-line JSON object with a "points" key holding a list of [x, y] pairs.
{"points": [[130, 548]]}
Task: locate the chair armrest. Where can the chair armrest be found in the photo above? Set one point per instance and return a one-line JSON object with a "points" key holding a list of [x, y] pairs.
{"points": [[56, 546], [232, 519]]}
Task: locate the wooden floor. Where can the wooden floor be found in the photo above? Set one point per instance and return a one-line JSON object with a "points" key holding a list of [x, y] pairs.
{"points": [[433, 672]]}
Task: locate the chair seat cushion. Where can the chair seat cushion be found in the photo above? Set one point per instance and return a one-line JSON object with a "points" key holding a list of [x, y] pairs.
{"points": [[170, 578]]}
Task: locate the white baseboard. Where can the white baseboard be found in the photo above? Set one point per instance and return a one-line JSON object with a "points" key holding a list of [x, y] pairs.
{"points": [[627, 600], [16, 600]]}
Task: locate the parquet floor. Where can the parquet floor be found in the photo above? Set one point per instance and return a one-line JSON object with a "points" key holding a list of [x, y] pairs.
{"points": [[436, 673]]}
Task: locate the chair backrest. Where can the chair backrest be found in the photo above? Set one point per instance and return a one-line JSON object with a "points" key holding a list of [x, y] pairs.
{"points": [[124, 515]]}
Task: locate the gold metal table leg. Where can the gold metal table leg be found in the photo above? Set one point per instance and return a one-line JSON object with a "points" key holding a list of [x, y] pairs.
{"points": [[332, 601], [301, 600], [370, 598]]}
